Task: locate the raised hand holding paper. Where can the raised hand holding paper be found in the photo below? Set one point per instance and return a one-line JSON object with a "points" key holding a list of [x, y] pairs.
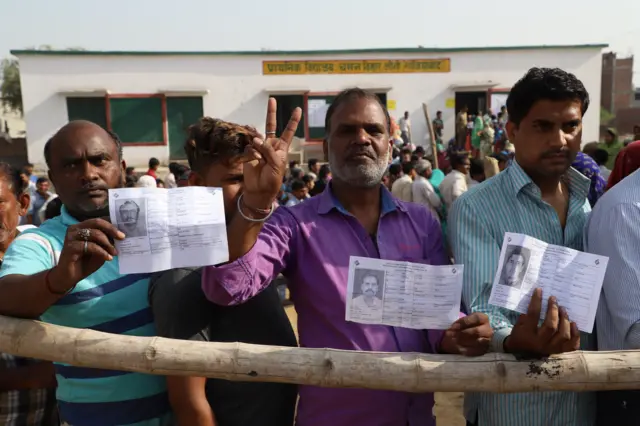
{"points": [[573, 277], [168, 228]]}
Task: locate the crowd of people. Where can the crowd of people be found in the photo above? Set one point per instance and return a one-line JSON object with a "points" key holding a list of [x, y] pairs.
{"points": [[178, 176], [376, 197]]}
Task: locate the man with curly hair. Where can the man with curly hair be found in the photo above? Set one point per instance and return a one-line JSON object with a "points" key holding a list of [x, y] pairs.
{"points": [[181, 311]]}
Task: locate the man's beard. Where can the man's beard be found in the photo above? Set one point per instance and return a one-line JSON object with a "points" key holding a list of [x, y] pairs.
{"points": [[361, 175]]}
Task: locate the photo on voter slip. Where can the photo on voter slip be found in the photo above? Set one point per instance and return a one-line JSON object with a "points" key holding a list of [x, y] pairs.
{"points": [[403, 294], [132, 217], [573, 277], [168, 228]]}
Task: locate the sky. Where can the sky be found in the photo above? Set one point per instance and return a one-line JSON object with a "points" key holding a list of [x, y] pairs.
{"points": [[327, 24]]}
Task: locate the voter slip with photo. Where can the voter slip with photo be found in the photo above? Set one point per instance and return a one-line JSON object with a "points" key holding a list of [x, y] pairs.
{"points": [[573, 277]]}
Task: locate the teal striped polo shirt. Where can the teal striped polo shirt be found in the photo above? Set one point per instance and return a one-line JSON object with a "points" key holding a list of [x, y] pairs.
{"points": [[105, 301]]}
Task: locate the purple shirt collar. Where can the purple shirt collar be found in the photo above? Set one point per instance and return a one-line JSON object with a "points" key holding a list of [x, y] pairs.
{"points": [[328, 202]]}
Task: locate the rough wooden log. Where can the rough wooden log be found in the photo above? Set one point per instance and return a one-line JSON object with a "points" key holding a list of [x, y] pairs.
{"points": [[577, 371]]}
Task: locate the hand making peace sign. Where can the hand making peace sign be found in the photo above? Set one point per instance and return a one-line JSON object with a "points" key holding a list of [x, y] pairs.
{"points": [[267, 161]]}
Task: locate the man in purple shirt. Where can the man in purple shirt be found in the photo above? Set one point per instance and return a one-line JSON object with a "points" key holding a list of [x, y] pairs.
{"points": [[311, 244]]}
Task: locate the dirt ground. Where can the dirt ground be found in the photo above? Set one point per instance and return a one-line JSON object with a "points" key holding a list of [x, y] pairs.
{"points": [[448, 405]]}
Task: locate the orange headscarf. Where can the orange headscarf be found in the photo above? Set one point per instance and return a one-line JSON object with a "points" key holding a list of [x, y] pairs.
{"points": [[394, 127], [627, 162]]}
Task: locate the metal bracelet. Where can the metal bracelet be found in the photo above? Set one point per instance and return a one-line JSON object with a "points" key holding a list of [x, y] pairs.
{"points": [[262, 212], [249, 219]]}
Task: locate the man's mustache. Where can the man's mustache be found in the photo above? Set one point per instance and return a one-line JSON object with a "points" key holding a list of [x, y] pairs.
{"points": [[94, 186], [555, 152], [368, 152]]}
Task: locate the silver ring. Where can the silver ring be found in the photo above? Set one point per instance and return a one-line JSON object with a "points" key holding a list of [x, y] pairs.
{"points": [[86, 247], [84, 234], [271, 133]]}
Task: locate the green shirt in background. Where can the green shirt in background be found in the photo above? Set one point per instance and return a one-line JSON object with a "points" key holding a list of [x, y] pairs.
{"points": [[478, 125], [612, 149], [436, 179]]}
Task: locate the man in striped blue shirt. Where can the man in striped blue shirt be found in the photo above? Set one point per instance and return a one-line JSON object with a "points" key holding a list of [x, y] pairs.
{"points": [[66, 273], [613, 230], [541, 196]]}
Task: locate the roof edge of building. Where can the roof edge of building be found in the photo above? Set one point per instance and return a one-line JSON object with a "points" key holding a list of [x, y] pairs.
{"points": [[34, 52]]}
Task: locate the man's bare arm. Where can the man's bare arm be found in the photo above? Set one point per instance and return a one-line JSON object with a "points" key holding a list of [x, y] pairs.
{"points": [[27, 296], [263, 170], [189, 401]]}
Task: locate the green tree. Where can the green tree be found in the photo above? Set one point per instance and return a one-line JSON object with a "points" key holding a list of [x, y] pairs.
{"points": [[10, 91], [605, 117]]}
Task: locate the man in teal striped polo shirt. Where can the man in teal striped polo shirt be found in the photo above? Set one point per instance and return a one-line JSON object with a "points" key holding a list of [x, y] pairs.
{"points": [[66, 273], [539, 195]]}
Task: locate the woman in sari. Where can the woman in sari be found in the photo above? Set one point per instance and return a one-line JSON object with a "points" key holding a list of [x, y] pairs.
{"points": [[476, 134], [627, 162], [487, 136]]}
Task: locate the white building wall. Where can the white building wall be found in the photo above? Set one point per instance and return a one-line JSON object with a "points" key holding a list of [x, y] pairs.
{"points": [[238, 91]]}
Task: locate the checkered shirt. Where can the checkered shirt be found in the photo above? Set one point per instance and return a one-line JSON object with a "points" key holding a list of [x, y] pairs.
{"points": [[29, 407]]}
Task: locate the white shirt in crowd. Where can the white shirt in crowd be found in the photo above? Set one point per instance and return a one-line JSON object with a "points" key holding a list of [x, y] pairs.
{"points": [[170, 181], [146, 181], [43, 209], [605, 172], [424, 193], [612, 230], [293, 201], [452, 186], [32, 190], [401, 189], [404, 124]]}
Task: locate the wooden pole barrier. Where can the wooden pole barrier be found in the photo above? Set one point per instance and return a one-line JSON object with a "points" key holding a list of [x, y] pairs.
{"points": [[576, 371], [432, 136]]}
